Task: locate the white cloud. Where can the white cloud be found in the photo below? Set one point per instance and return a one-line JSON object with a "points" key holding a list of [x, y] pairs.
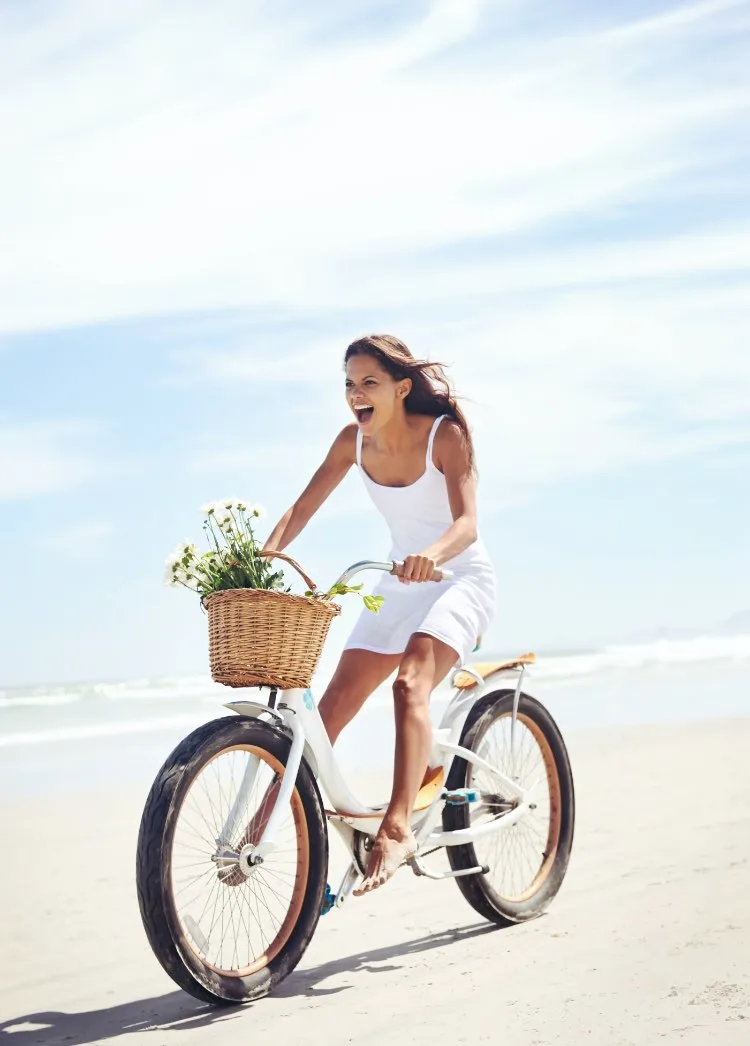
{"points": [[174, 157], [681, 15], [44, 458], [164, 157]]}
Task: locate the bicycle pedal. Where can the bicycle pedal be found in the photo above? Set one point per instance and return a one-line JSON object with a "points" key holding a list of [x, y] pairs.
{"points": [[329, 900], [461, 796]]}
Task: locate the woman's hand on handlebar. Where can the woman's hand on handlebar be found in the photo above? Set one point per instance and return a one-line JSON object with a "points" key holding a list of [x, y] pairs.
{"points": [[416, 568]]}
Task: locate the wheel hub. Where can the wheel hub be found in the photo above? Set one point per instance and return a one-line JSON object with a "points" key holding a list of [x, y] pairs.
{"points": [[235, 868], [245, 861], [497, 804]]}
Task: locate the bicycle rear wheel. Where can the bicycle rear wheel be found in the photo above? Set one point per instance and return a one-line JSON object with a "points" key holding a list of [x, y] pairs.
{"points": [[527, 860], [226, 931]]}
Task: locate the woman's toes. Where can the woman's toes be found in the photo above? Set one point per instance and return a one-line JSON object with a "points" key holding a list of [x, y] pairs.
{"points": [[386, 858]]}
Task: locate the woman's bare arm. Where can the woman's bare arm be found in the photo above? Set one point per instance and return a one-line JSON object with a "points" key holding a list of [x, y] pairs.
{"points": [[338, 461]]}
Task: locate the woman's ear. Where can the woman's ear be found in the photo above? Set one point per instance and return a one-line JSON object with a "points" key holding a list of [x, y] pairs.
{"points": [[404, 388]]}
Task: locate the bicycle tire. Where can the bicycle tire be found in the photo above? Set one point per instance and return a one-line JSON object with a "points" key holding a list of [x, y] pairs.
{"points": [[166, 936], [478, 889]]}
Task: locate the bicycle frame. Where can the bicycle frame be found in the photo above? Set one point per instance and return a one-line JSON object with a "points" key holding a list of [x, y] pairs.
{"points": [[296, 712]]}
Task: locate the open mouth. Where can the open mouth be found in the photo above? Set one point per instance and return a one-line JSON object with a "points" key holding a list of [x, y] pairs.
{"points": [[363, 414]]}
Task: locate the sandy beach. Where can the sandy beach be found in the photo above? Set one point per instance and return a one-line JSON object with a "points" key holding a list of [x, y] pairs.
{"points": [[646, 943]]}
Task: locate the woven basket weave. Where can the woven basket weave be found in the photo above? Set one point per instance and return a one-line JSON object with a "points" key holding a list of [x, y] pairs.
{"points": [[260, 638]]}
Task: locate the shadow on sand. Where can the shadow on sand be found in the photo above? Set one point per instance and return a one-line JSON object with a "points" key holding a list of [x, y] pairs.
{"points": [[176, 1011], [304, 981]]}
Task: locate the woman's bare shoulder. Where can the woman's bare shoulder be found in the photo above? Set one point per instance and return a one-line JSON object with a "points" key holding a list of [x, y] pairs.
{"points": [[450, 442], [345, 444], [449, 433]]}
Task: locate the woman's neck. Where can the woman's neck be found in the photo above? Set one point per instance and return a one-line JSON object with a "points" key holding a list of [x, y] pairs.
{"points": [[400, 434]]}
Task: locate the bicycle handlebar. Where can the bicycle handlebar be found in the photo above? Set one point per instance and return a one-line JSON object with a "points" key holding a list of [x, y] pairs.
{"points": [[438, 575], [388, 567]]}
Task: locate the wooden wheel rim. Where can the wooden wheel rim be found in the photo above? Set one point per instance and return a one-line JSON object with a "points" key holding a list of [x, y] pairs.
{"points": [[554, 826], [298, 889]]}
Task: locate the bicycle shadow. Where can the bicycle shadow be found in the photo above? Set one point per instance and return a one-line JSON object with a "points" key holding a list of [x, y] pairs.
{"points": [[303, 982], [175, 1011]]}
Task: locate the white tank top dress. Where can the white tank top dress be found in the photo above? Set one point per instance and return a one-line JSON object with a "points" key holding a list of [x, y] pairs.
{"points": [[457, 612]]}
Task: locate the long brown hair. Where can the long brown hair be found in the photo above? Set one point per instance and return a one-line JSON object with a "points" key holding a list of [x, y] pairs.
{"points": [[431, 391]]}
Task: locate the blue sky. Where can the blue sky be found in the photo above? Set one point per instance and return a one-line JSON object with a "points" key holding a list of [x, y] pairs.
{"points": [[200, 206]]}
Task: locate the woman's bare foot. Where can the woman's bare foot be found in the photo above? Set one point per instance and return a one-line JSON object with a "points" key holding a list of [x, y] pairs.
{"points": [[392, 848]]}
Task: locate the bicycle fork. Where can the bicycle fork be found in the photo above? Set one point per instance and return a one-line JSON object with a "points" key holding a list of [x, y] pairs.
{"points": [[237, 815]]}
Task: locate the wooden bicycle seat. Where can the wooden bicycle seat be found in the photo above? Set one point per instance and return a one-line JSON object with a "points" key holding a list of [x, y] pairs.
{"points": [[432, 782], [464, 681]]}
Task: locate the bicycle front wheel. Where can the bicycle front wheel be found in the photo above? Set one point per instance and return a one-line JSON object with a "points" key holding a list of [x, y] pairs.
{"points": [[225, 930], [527, 860]]}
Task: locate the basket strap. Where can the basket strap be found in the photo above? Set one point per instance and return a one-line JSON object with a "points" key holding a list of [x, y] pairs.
{"points": [[271, 554]]}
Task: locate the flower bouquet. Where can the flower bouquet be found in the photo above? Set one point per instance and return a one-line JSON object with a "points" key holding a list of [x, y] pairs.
{"points": [[260, 633]]}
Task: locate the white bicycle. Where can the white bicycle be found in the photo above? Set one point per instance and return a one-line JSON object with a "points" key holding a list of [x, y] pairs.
{"points": [[232, 860]]}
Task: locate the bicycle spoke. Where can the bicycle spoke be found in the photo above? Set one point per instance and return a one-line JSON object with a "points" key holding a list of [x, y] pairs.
{"points": [[235, 919], [514, 854]]}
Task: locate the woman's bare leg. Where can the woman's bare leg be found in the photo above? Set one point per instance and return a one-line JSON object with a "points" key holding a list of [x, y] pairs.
{"points": [[358, 674], [425, 662]]}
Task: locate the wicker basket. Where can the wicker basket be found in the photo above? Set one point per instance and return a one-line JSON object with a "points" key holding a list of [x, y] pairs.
{"points": [[260, 638]]}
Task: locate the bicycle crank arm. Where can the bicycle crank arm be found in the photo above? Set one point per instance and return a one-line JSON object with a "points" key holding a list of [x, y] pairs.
{"points": [[351, 877], [419, 869]]}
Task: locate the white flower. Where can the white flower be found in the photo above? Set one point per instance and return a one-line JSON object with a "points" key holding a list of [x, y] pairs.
{"points": [[169, 574], [209, 508], [178, 555], [241, 506], [189, 550], [230, 503], [258, 511]]}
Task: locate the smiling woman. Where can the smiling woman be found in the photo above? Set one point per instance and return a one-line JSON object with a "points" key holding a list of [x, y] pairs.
{"points": [[412, 445], [429, 391]]}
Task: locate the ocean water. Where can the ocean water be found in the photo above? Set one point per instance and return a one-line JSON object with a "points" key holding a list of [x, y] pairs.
{"points": [[72, 737]]}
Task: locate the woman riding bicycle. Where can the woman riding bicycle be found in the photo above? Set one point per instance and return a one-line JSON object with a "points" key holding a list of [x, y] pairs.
{"points": [[412, 446]]}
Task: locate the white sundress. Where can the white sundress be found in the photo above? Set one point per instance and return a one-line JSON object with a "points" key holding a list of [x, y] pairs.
{"points": [[456, 612]]}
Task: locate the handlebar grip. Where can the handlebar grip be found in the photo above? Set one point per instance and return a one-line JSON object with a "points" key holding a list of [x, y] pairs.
{"points": [[439, 575]]}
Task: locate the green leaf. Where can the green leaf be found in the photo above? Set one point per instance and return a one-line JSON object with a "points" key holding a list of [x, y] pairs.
{"points": [[343, 590], [373, 603]]}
